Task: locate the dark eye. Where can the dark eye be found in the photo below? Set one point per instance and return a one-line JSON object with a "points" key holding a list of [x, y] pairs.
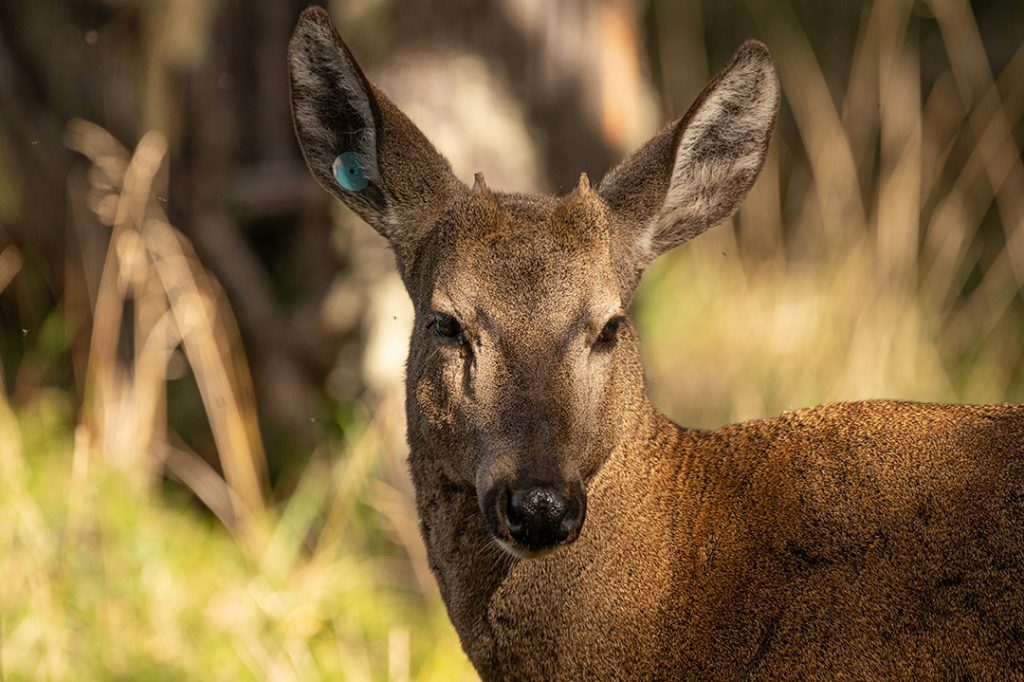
{"points": [[609, 332], [447, 327]]}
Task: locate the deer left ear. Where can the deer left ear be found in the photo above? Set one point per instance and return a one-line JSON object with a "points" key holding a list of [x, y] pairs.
{"points": [[357, 144], [696, 172]]}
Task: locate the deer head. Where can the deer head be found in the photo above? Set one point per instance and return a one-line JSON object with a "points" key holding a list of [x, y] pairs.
{"points": [[523, 373]]}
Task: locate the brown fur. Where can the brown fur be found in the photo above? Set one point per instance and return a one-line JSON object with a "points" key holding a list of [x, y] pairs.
{"points": [[869, 540]]}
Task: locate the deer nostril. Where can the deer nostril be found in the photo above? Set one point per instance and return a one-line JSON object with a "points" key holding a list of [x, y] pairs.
{"points": [[538, 506], [542, 517]]}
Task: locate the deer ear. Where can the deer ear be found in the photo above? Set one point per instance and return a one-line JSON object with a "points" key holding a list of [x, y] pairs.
{"points": [[696, 172], [357, 144]]}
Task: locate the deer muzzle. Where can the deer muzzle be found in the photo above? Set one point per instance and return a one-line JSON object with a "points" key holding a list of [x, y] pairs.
{"points": [[531, 520]]}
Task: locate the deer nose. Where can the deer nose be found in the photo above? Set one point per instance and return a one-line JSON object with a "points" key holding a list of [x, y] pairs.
{"points": [[542, 517]]}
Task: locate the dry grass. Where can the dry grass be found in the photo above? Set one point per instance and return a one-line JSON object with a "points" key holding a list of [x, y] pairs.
{"points": [[103, 576], [864, 263]]}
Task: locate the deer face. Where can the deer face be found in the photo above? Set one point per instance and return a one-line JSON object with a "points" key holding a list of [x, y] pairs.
{"points": [[514, 375], [522, 361]]}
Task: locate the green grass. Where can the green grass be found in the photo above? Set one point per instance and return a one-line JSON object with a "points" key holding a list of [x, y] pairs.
{"points": [[104, 578]]}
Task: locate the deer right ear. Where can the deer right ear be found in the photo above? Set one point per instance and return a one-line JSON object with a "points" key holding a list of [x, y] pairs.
{"points": [[696, 172], [357, 144]]}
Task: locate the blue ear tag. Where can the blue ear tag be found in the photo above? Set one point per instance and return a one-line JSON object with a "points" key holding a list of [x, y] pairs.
{"points": [[349, 172]]}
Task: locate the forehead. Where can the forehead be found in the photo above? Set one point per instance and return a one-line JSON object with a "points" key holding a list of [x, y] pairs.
{"points": [[533, 253]]}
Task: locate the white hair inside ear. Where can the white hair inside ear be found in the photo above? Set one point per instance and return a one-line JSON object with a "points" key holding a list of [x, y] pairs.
{"points": [[720, 150]]}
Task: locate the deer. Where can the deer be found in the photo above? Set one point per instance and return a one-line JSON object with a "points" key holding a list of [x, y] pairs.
{"points": [[577, 533]]}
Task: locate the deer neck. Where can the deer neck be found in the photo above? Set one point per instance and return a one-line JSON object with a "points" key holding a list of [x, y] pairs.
{"points": [[476, 577]]}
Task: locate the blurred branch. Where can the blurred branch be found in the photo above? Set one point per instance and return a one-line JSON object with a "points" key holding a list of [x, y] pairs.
{"points": [[199, 477], [1000, 156]]}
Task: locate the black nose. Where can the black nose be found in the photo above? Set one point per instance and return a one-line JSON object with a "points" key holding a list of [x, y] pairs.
{"points": [[540, 517]]}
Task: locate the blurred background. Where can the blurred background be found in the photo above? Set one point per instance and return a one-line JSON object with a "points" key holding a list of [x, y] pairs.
{"points": [[202, 470]]}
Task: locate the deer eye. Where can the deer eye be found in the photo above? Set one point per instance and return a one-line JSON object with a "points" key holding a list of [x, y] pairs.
{"points": [[447, 327], [609, 332]]}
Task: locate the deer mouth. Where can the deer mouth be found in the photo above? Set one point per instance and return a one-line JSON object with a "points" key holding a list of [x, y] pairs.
{"points": [[533, 520]]}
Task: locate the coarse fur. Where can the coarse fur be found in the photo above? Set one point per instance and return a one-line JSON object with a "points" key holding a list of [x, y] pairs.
{"points": [[873, 540]]}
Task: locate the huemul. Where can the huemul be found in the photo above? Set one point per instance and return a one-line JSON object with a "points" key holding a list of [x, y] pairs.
{"points": [[871, 540]]}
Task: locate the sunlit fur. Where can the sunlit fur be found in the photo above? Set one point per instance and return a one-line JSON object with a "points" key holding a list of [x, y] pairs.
{"points": [[875, 540]]}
